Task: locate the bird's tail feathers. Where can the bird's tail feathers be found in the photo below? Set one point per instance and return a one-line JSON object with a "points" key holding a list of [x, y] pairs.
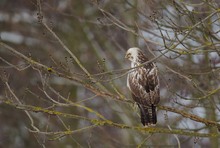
{"points": [[148, 115]]}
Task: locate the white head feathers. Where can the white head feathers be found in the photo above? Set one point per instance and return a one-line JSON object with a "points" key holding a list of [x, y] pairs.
{"points": [[132, 54]]}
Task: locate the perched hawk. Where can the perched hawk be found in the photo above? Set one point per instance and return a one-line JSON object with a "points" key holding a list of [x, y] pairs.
{"points": [[143, 83]]}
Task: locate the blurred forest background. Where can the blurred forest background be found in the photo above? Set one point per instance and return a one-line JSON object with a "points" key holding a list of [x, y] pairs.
{"points": [[63, 73]]}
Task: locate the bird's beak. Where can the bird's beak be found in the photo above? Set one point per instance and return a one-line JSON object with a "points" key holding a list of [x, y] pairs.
{"points": [[126, 56]]}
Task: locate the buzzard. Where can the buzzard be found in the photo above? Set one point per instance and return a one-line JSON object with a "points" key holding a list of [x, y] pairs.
{"points": [[143, 83]]}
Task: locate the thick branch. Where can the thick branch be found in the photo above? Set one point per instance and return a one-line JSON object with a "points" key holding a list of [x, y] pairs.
{"points": [[113, 124], [191, 116]]}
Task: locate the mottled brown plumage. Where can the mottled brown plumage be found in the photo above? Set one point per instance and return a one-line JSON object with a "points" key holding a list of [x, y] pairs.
{"points": [[143, 83]]}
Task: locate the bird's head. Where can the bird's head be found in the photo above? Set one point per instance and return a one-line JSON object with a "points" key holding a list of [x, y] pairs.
{"points": [[132, 54]]}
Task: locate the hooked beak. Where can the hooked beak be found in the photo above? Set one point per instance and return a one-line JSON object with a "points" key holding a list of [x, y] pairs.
{"points": [[126, 56]]}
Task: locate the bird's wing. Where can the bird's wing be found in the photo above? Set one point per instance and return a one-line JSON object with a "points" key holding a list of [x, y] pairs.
{"points": [[144, 84]]}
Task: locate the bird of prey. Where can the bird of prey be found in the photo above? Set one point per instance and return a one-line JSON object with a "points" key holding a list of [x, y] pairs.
{"points": [[143, 83]]}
